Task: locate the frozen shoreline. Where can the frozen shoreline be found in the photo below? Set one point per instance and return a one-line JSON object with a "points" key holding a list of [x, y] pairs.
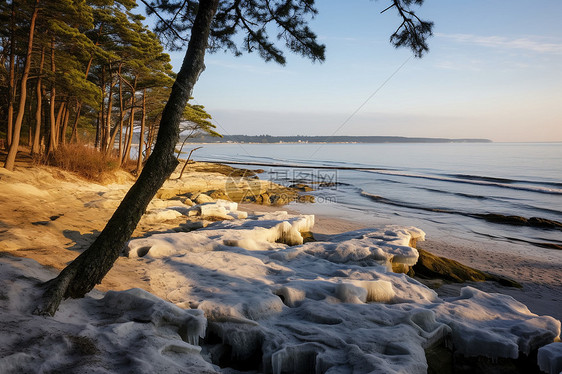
{"points": [[226, 271], [537, 271]]}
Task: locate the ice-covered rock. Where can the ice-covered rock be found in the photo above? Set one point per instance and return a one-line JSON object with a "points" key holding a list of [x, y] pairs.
{"points": [[119, 332], [494, 325], [275, 304], [161, 215], [387, 247], [550, 358]]}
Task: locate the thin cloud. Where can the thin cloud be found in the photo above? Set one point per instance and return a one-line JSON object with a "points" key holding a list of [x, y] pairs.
{"points": [[529, 43]]}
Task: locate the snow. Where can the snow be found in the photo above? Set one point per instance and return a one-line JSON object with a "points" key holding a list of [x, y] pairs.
{"points": [[265, 301], [128, 331], [550, 358]]}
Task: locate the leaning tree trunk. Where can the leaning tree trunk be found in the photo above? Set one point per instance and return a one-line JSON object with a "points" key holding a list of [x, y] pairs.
{"points": [[90, 267]]}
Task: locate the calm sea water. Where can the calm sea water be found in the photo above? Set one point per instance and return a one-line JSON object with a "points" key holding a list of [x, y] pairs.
{"points": [[445, 189]]}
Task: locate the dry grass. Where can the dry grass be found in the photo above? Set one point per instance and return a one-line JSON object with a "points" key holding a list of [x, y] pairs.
{"points": [[83, 160]]}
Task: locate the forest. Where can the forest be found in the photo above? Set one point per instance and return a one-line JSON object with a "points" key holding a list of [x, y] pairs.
{"points": [[86, 72]]}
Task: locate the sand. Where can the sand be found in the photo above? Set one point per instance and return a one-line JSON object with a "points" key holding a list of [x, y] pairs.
{"points": [[51, 216]]}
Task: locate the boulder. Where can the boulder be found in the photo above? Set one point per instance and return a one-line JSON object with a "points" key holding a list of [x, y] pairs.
{"points": [[432, 266], [202, 199]]}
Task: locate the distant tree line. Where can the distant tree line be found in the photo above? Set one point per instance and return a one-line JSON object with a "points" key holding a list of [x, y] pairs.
{"points": [[328, 139], [83, 70]]}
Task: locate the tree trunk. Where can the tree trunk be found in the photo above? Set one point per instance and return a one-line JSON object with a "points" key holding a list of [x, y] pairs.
{"points": [[74, 134], [12, 78], [53, 140], [108, 144], [141, 138], [100, 139], [35, 147], [150, 139], [64, 124], [120, 114], [127, 152], [90, 267], [58, 122], [11, 159]]}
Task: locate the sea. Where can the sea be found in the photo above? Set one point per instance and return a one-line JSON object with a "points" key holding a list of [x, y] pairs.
{"points": [[453, 191]]}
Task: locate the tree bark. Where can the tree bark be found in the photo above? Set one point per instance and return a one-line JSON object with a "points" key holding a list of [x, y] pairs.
{"points": [[58, 122], [108, 145], [64, 126], [127, 152], [120, 113], [11, 159], [35, 147], [74, 134], [12, 79], [100, 139], [141, 138], [90, 267], [53, 139]]}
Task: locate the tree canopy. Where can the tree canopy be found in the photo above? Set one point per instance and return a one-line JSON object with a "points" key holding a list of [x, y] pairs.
{"points": [[80, 70]]}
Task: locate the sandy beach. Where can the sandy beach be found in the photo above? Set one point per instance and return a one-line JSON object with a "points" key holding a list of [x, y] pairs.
{"points": [[50, 216]]}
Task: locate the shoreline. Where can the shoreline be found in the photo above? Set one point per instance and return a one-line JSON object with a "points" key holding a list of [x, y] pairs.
{"points": [[64, 227], [542, 285], [261, 279]]}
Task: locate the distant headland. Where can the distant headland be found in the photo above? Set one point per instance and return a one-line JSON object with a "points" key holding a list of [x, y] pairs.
{"points": [[327, 139]]}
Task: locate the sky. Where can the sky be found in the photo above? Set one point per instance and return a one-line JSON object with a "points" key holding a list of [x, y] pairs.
{"points": [[494, 70]]}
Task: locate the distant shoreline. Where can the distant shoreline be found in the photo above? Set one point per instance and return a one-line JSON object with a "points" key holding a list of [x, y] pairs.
{"points": [[268, 139]]}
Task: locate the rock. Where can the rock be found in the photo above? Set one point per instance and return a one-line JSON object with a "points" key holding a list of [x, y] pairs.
{"points": [[202, 199], [264, 199], [546, 223], [301, 187], [432, 266], [241, 215], [549, 358], [167, 193], [217, 194], [187, 201], [522, 221]]}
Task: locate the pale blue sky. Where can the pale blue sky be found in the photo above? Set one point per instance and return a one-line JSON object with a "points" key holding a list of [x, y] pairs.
{"points": [[494, 71]]}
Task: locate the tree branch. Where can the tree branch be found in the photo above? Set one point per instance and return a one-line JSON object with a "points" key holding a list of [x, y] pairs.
{"points": [[169, 26]]}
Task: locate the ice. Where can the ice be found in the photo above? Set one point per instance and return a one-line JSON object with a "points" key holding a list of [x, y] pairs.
{"points": [[259, 299], [494, 325], [138, 305], [550, 358], [128, 331], [161, 215], [384, 247]]}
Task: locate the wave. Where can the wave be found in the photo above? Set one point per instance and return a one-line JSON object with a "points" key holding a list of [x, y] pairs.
{"points": [[534, 186], [460, 194], [512, 220], [300, 166], [504, 199], [545, 190], [503, 180]]}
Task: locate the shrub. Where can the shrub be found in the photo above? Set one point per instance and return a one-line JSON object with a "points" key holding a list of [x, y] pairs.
{"points": [[86, 161]]}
